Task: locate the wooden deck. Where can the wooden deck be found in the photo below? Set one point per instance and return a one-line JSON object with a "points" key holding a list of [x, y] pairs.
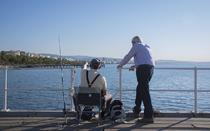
{"points": [[58, 123]]}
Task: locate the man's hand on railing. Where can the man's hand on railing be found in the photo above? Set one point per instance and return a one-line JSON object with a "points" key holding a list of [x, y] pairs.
{"points": [[132, 68], [119, 66]]}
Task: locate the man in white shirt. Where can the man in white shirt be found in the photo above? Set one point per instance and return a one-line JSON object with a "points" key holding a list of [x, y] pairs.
{"points": [[93, 79], [144, 65]]}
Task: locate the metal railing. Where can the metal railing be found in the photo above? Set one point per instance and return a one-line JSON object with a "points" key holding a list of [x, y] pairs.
{"points": [[72, 81], [195, 90]]}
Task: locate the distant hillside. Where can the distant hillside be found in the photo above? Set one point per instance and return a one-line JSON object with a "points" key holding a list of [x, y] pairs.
{"points": [[84, 58], [106, 60], [14, 58], [175, 63]]}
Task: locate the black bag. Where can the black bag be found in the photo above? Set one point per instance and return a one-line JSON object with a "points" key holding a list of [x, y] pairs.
{"points": [[116, 110], [87, 113]]}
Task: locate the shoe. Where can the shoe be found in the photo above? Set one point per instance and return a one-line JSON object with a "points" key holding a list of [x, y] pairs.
{"points": [[136, 111], [146, 120], [135, 115]]}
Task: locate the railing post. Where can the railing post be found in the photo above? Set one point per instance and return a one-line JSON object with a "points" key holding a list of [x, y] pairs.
{"points": [[195, 90], [5, 91], [72, 87], [120, 83]]}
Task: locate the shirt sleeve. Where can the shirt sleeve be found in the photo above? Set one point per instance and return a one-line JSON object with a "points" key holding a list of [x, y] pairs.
{"points": [[130, 54]]}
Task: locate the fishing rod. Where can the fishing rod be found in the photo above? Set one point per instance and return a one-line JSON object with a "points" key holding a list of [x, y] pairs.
{"points": [[62, 80]]}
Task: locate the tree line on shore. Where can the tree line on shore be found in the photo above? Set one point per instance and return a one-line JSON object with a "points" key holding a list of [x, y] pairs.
{"points": [[8, 59]]}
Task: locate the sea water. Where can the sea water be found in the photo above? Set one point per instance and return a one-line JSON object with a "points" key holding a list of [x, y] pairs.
{"points": [[42, 88]]}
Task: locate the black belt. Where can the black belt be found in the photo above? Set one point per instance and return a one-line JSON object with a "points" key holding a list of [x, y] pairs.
{"points": [[144, 65]]}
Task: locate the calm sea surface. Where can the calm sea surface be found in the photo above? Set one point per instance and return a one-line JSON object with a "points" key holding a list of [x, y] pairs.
{"points": [[41, 88]]}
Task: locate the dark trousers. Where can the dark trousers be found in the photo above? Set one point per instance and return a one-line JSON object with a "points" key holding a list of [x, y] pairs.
{"points": [[144, 74]]}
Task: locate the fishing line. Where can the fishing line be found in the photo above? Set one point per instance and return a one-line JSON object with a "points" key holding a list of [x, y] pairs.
{"points": [[62, 80]]}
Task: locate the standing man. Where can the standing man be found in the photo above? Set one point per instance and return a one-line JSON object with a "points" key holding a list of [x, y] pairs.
{"points": [[144, 65]]}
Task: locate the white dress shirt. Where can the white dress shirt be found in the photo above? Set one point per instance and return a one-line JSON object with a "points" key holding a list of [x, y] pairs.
{"points": [[141, 53], [100, 82]]}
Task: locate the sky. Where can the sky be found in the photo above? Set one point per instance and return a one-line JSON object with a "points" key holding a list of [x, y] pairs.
{"points": [[174, 29]]}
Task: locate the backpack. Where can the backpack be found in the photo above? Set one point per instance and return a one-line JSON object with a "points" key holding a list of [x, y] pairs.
{"points": [[116, 110]]}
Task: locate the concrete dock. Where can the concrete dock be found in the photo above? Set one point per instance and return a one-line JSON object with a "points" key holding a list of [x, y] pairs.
{"points": [[15, 121]]}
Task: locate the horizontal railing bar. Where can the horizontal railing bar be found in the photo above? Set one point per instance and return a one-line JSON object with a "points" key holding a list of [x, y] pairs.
{"points": [[47, 101], [174, 68], [37, 68], [177, 68], [24, 89], [72, 67], [19, 89], [203, 68], [170, 90]]}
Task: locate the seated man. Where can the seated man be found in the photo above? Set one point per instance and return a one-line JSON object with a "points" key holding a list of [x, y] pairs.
{"points": [[93, 79]]}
